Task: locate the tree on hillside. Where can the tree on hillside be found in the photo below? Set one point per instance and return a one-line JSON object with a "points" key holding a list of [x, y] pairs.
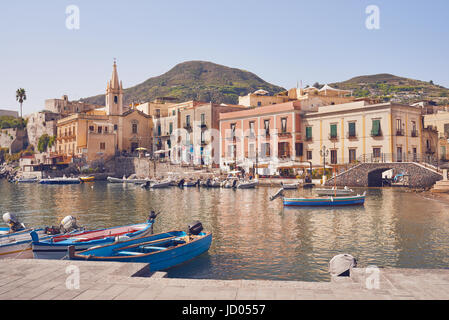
{"points": [[431, 82], [43, 143], [21, 97]]}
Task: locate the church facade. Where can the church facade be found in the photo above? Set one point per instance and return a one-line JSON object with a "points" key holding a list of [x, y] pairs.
{"points": [[104, 132]]}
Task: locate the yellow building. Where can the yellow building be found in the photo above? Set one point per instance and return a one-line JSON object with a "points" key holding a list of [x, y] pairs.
{"points": [[105, 132]]}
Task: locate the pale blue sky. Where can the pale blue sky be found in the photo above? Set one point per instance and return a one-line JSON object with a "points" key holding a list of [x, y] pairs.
{"points": [[281, 41]]}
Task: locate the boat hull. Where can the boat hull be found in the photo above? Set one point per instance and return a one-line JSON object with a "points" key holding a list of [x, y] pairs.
{"points": [[60, 181], [159, 260], [87, 179], [118, 180], [330, 192], [332, 201], [17, 245], [58, 250]]}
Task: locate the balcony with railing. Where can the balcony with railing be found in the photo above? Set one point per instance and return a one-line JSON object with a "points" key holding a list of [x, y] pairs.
{"points": [[351, 135], [333, 136], [414, 133], [399, 132]]}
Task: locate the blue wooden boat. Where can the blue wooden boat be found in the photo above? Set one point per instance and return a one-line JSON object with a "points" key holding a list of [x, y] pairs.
{"points": [[62, 180], [161, 251], [325, 201], [56, 247]]}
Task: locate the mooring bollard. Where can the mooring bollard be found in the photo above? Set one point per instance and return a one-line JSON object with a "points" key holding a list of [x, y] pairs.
{"points": [[341, 265]]}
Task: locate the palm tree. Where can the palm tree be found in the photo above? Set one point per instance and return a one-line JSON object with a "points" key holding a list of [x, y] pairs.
{"points": [[21, 97]]}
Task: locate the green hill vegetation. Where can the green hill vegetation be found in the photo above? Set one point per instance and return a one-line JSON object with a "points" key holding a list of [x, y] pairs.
{"points": [[196, 80], [389, 87]]}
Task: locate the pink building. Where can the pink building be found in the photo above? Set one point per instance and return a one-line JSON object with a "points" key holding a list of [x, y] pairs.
{"points": [[268, 137]]}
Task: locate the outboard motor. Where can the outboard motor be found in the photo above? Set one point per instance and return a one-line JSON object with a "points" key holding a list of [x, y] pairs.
{"points": [[181, 183], [234, 184], [195, 228], [152, 218], [68, 224], [341, 265], [198, 183], [13, 222]]}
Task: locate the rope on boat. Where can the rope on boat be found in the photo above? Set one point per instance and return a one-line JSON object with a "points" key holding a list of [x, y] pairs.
{"points": [[26, 248]]}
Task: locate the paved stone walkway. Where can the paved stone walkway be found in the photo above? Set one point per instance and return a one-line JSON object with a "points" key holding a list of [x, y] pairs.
{"points": [[52, 279]]}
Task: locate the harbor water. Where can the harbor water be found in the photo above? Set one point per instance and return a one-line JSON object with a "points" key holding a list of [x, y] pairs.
{"points": [[253, 237]]}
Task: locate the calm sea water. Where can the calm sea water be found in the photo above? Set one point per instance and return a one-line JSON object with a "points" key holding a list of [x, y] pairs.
{"points": [[254, 238]]}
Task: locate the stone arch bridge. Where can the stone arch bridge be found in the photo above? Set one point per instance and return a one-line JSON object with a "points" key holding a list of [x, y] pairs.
{"points": [[370, 175]]}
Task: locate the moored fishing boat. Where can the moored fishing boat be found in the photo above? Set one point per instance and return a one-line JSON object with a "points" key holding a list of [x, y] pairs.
{"points": [[290, 186], [87, 179], [63, 180], [130, 179], [27, 180], [334, 191], [17, 244], [161, 251], [250, 184], [56, 247], [327, 201], [157, 184]]}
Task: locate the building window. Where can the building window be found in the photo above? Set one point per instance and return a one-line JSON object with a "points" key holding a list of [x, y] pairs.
{"points": [[333, 134], [102, 146], [105, 129], [309, 155], [251, 128], [414, 131], [134, 128], [399, 131], [376, 130], [265, 149], [158, 113], [188, 120], [158, 130], [232, 130], [351, 130], [376, 152], [283, 150], [115, 127], [99, 129], [259, 103], [171, 127], [115, 99], [283, 125], [298, 149], [266, 124], [352, 155], [334, 156], [308, 133], [203, 119]]}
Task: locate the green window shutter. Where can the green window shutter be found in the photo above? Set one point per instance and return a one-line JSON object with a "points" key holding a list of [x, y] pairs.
{"points": [[333, 130], [309, 132], [376, 127], [352, 129]]}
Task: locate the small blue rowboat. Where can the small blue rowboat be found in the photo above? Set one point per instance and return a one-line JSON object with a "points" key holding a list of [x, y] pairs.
{"points": [[161, 251], [328, 201]]}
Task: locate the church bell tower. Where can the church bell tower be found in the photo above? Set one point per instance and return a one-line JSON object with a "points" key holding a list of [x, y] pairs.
{"points": [[114, 94]]}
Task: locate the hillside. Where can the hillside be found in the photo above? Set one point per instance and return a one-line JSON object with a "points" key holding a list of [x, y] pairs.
{"points": [[195, 80], [389, 87]]}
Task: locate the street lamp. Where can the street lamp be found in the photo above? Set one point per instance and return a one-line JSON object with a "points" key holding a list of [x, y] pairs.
{"points": [[324, 152]]}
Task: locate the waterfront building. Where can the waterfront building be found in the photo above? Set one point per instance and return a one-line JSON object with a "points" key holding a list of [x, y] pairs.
{"points": [[104, 132], [64, 107], [440, 121], [358, 132], [285, 136], [267, 138], [167, 124], [260, 98], [200, 135]]}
